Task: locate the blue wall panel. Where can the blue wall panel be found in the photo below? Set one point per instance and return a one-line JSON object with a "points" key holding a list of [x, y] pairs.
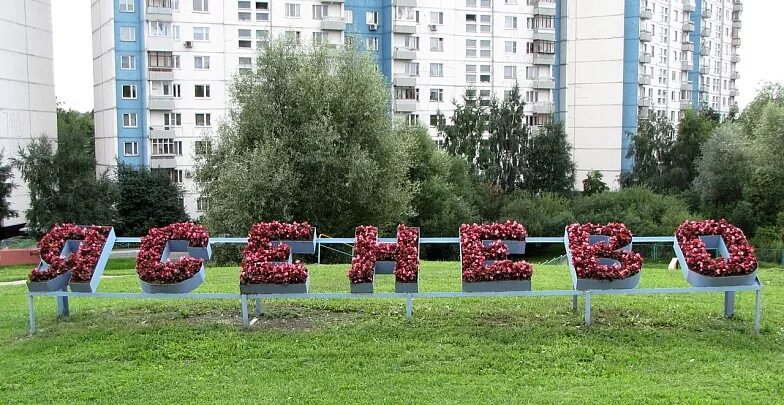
{"points": [[631, 75], [696, 38], [131, 77]]}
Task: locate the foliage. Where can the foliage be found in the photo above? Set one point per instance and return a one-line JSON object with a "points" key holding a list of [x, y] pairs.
{"points": [[642, 210], [723, 169], [507, 142], [765, 188], [147, 199], [769, 93], [651, 149], [6, 187], [62, 183], [593, 183], [693, 130], [463, 137], [550, 164], [545, 214], [308, 136]]}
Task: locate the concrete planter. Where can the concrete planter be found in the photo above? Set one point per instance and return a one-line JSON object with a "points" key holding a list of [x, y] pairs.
{"points": [[175, 288], [712, 242], [406, 288], [496, 286], [301, 288], [513, 246], [58, 283], [385, 267], [362, 288], [584, 284], [307, 247]]}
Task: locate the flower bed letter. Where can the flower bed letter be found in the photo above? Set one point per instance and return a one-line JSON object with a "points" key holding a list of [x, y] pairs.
{"points": [[368, 253], [486, 266], [267, 267], [736, 263], [158, 274], [600, 257]]}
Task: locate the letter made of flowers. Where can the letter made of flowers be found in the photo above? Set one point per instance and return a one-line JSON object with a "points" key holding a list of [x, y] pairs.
{"points": [[82, 262], [482, 263], [367, 250], [149, 266], [586, 255], [741, 261], [265, 262]]}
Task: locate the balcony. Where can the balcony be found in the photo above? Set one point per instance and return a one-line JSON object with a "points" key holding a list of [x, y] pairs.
{"points": [[544, 59], [404, 27], [161, 103], [160, 43], [645, 80], [734, 76], [735, 41], [646, 36], [646, 14], [704, 88], [644, 102], [160, 74], [704, 51], [707, 13], [737, 24], [688, 6], [162, 161], [544, 7], [405, 54], [704, 70], [706, 32], [733, 92], [644, 113], [544, 83], [405, 105], [686, 104], [542, 108], [160, 12], [404, 80], [735, 58], [544, 34], [688, 26], [737, 5], [404, 3], [686, 65], [333, 1], [161, 132], [686, 86], [333, 24], [687, 46], [645, 58]]}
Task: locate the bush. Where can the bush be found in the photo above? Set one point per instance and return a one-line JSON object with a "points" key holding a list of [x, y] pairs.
{"points": [[546, 214]]}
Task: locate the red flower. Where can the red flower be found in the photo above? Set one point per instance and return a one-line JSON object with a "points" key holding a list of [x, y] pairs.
{"points": [[585, 256], [82, 262], [741, 261], [367, 250], [475, 254], [148, 261], [267, 263]]}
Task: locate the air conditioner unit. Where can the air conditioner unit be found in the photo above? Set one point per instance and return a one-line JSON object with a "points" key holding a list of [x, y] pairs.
{"points": [[189, 44], [433, 27], [188, 174], [372, 27]]}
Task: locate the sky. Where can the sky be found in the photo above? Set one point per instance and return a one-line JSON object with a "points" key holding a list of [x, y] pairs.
{"points": [[73, 66]]}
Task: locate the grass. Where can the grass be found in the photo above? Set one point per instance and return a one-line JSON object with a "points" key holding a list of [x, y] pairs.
{"points": [[669, 348]]}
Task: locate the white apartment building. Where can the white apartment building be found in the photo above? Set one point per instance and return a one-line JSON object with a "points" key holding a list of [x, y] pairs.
{"points": [[27, 103], [162, 67]]}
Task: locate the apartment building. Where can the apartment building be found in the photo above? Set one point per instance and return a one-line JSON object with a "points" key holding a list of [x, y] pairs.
{"points": [[162, 67], [27, 101]]}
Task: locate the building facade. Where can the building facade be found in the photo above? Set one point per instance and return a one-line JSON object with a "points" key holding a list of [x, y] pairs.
{"points": [[162, 67], [28, 107]]}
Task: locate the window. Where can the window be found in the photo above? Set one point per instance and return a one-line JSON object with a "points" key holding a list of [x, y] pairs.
{"points": [[485, 50], [201, 62], [411, 43], [292, 10], [318, 37], [176, 61], [470, 74], [201, 6], [163, 146], [202, 148], [510, 72], [412, 69], [131, 149], [129, 120], [510, 22], [320, 11], [485, 22], [203, 120], [244, 38], [470, 22], [412, 119], [510, 46], [159, 60], [437, 95], [349, 17], [127, 34], [437, 70], [484, 73], [201, 33], [293, 36], [176, 91], [371, 17], [159, 29], [372, 44], [437, 44], [176, 176], [172, 120], [128, 62], [437, 17], [201, 91], [435, 119], [178, 148], [126, 6], [484, 98], [160, 88], [176, 32], [470, 48], [129, 91], [202, 204]]}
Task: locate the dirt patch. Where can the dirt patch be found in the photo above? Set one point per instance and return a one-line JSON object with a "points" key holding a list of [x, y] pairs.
{"points": [[294, 318]]}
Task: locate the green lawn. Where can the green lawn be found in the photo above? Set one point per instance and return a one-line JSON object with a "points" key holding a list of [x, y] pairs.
{"points": [[674, 348]]}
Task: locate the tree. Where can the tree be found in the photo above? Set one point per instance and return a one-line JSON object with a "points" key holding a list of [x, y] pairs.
{"points": [[63, 185], [723, 170], [765, 187], [651, 149], [464, 136], [770, 92], [6, 187], [308, 137], [550, 164], [593, 183], [507, 142], [546, 214], [693, 130], [147, 199]]}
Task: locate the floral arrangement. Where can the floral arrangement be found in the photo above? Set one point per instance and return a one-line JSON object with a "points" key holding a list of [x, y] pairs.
{"points": [[475, 255], [741, 260], [82, 262], [367, 251], [148, 261], [585, 255], [266, 263]]}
